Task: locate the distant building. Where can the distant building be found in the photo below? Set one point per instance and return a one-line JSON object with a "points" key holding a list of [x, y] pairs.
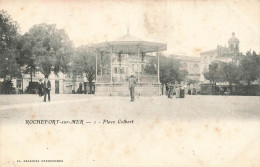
{"points": [[60, 84], [191, 64], [223, 54]]}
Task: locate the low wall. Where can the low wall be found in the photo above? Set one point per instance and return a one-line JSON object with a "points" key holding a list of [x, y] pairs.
{"points": [[122, 89]]}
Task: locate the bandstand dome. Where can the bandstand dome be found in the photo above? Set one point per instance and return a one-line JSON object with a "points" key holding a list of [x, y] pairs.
{"points": [[129, 44]]}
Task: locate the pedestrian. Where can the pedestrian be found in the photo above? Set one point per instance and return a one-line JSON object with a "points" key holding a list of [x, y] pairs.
{"points": [[40, 88], [164, 90], [194, 92], [132, 84], [177, 89], [182, 91], [170, 92], [189, 91], [47, 88]]}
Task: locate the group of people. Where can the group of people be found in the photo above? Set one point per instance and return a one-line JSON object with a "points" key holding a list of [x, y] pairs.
{"points": [[176, 89], [44, 88]]}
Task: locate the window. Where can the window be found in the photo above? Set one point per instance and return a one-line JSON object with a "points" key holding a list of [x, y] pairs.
{"points": [[115, 70], [19, 84], [195, 65], [68, 75], [122, 70]]}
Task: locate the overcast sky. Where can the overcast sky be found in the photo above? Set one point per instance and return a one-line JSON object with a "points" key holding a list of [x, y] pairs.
{"points": [[188, 27]]}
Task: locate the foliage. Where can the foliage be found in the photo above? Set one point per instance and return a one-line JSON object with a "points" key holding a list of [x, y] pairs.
{"points": [[249, 67], [103, 63], [84, 63], [6, 87], [8, 47], [213, 73], [48, 47], [229, 73], [25, 58], [170, 69], [192, 81]]}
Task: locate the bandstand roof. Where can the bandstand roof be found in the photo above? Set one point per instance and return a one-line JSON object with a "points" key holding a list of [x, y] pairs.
{"points": [[129, 44]]}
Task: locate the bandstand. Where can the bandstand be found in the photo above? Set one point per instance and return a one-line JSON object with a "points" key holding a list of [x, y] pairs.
{"points": [[117, 60]]}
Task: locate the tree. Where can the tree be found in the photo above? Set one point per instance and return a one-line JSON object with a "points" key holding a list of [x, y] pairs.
{"points": [[84, 63], [170, 69], [249, 68], [25, 58], [48, 49], [8, 50], [229, 73], [213, 74]]}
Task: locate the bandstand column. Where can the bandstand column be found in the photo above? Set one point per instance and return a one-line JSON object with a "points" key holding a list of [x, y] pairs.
{"points": [[158, 66], [101, 59], [96, 66], [138, 64], [111, 69]]}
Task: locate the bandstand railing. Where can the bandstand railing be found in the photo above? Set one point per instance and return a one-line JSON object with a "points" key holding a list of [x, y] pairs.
{"points": [[105, 78], [146, 79]]}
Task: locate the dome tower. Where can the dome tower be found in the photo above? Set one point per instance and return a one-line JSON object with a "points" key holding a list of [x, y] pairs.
{"points": [[233, 43]]}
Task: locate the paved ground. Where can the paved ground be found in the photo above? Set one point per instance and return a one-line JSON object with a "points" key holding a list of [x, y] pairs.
{"points": [[31, 98], [195, 131]]}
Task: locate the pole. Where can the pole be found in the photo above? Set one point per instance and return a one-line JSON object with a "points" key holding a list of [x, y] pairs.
{"points": [[119, 56], [158, 66], [101, 59], [22, 84], [96, 66], [111, 53], [138, 64], [158, 70]]}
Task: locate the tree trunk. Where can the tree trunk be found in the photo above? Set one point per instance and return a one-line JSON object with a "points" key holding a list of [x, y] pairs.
{"points": [[31, 74], [90, 87], [230, 87], [248, 88], [214, 88]]}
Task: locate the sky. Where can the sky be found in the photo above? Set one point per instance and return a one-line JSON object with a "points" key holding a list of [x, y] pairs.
{"points": [[188, 27]]}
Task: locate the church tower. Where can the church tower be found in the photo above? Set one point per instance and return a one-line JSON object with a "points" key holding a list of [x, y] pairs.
{"points": [[233, 44]]}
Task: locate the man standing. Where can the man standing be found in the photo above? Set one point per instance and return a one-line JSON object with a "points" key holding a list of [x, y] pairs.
{"points": [[47, 88], [170, 92], [40, 88], [132, 84]]}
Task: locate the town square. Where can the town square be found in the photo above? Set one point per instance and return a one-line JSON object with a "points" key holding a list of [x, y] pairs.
{"points": [[193, 128], [129, 83]]}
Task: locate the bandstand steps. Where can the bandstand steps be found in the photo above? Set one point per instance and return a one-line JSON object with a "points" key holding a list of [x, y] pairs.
{"points": [[123, 90]]}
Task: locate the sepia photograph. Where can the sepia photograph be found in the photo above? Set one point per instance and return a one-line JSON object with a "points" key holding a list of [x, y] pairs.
{"points": [[121, 83]]}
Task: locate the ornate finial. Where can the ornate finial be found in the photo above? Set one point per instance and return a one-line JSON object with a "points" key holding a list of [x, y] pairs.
{"points": [[233, 34]]}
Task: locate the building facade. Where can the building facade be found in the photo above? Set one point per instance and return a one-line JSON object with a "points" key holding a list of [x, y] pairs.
{"points": [[191, 65], [221, 53]]}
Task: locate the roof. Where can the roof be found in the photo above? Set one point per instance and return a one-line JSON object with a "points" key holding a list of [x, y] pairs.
{"points": [[129, 44], [186, 58], [128, 37], [210, 51]]}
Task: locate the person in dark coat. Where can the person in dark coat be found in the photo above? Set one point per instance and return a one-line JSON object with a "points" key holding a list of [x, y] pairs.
{"points": [[182, 91], [47, 88], [132, 84], [170, 92], [40, 88], [177, 89]]}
